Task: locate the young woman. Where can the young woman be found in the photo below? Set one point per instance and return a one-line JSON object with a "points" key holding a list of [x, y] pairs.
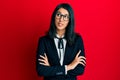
{"points": [[60, 53]]}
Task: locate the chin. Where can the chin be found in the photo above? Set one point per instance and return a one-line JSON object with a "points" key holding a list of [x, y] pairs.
{"points": [[60, 28]]}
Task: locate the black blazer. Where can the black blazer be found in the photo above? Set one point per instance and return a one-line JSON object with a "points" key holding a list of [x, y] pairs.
{"points": [[55, 71]]}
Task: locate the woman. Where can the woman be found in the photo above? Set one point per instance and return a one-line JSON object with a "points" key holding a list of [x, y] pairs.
{"points": [[60, 53]]}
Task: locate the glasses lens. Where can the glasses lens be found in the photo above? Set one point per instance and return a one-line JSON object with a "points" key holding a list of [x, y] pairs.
{"points": [[65, 17], [58, 15]]}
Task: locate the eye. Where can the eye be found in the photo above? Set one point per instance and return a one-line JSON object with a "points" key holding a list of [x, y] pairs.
{"points": [[66, 17], [58, 14]]}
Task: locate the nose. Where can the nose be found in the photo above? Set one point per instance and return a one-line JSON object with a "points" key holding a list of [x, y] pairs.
{"points": [[61, 18]]}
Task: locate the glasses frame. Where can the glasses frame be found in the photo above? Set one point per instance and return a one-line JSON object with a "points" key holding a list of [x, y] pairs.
{"points": [[61, 15]]}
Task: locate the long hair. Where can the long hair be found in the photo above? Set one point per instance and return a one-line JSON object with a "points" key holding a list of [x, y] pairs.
{"points": [[69, 33]]}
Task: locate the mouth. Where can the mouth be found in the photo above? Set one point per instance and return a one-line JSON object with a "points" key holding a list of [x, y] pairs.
{"points": [[60, 24]]}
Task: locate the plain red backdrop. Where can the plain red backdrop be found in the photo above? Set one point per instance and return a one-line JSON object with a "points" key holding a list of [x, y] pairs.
{"points": [[22, 22]]}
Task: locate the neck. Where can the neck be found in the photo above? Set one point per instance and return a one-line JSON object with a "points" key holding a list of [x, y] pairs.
{"points": [[60, 32]]}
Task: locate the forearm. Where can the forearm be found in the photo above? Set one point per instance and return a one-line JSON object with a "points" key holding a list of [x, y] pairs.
{"points": [[78, 70], [50, 70]]}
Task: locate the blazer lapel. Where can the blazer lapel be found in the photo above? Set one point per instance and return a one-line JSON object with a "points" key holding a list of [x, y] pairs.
{"points": [[66, 53], [55, 53]]}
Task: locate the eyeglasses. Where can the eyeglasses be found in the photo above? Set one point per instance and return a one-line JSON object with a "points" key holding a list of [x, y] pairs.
{"points": [[59, 15]]}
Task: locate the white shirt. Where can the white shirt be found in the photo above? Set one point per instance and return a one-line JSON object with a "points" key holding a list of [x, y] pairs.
{"points": [[62, 50]]}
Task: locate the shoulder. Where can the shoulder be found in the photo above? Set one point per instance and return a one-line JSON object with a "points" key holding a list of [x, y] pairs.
{"points": [[79, 42], [78, 36], [44, 38]]}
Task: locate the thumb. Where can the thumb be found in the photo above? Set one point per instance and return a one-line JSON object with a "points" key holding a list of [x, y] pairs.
{"points": [[78, 53], [45, 54]]}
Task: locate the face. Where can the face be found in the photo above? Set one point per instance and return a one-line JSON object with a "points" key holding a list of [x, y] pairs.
{"points": [[61, 19]]}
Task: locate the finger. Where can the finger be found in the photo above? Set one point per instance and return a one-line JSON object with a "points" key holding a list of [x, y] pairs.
{"points": [[42, 57], [45, 55], [41, 63], [82, 60], [82, 57], [78, 53], [82, 63], [41, 60]]}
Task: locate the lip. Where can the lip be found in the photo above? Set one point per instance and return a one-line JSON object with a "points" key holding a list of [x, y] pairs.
{"points": [[60, 24]]}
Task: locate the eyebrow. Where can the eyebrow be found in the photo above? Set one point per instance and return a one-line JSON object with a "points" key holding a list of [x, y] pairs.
{"points": [[62, 14]]}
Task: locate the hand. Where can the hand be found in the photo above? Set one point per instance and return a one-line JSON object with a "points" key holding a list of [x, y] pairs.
{"points": [[44, 60], [78, 60]]}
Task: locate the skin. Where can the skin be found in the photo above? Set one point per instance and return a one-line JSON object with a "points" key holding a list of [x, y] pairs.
{"points": [[60, 29], [60, 23]]}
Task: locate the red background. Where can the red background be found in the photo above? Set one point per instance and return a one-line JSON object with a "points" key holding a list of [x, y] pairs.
{"points": [[22, 22]]}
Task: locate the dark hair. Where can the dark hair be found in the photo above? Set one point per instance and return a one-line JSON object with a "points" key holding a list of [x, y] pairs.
{"points": [[69, 34]]}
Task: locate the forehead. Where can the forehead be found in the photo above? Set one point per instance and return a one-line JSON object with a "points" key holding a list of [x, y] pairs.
{"points": [[63, 11]]}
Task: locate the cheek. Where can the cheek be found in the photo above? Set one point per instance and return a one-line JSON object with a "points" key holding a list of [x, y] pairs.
{"points": [[56, 22], [66, 24]]}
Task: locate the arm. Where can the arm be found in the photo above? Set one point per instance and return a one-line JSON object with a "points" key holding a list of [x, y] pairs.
{"points": [[43, 70], [78, 65]]}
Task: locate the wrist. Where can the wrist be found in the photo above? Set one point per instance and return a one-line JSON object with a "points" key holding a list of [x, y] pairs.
{"points": [[68, 67]]}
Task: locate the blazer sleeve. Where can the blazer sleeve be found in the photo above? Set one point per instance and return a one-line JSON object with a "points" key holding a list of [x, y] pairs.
{"points": [[47, 70], [79, 69]]}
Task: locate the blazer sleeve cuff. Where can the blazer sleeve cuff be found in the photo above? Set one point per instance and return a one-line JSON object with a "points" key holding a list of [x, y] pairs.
{"points": [[65, 69]]}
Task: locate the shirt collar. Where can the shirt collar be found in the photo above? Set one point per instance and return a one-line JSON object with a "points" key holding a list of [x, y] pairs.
{"points": [[59, 36]]}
